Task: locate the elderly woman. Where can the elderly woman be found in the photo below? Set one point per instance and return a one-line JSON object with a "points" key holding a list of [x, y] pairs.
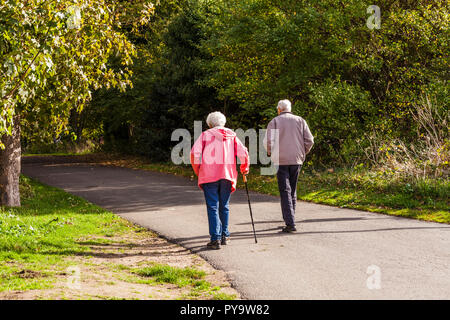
{"points": [[213, 158]]}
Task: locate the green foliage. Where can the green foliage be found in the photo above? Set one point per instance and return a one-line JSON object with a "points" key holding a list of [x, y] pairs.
{"points": [[242, 56], [342, 112], [166, 93], [343, 77], [52, 55]]}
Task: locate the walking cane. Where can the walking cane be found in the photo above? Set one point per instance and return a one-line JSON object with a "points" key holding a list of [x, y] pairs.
{"points": [[244, 177]]}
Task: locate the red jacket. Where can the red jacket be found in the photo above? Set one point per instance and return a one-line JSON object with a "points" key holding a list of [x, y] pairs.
{"points": [[213, 156]]}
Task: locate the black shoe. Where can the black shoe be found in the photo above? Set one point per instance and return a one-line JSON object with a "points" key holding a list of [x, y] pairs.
{"points": [[289, 229], [225, 240], [215, 245]]}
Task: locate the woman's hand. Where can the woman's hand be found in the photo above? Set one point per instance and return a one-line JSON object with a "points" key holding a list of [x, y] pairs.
{"points": [[245, 170]]}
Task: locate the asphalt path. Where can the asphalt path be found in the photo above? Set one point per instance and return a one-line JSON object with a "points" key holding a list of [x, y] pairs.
{"points": [[336, 253]]}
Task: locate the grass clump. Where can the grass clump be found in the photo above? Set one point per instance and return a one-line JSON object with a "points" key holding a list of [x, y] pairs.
{"points": [[181, 277], [184, 277]]}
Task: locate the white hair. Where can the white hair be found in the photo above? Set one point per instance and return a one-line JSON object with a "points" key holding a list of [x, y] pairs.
{"points": [[216, 119], [284, 105]]}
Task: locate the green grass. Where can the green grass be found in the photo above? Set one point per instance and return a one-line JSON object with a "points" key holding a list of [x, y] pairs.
{"points": [[223, 296], [368, 190], [167, 274], [182, 277], [212, 293], [50, 225]]}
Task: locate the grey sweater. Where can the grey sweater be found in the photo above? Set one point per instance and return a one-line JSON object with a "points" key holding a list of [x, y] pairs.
{"points": [[288, 139]]}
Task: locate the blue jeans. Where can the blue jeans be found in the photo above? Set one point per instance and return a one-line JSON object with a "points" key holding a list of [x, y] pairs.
{"points": [[287, 177], [217, 196]]}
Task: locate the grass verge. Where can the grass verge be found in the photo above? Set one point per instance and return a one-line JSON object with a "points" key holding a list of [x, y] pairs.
{"points": [[54, 231]]}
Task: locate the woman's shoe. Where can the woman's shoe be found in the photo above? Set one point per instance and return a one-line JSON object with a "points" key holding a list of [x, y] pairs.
{"points": [[225, 240], [215, 245], [289, 229]]}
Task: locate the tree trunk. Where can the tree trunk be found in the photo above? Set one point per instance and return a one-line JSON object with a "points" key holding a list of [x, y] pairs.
{"points": [[10, 167]]}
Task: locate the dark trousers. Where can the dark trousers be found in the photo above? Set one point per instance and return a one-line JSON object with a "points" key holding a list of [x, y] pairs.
{"points": [[287, 185]]}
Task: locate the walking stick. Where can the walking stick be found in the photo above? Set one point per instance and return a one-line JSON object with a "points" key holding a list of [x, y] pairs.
{"points": [[244, 177]]}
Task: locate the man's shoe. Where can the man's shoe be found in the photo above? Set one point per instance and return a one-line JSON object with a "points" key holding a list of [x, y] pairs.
{"points": [[215, 245], [225, 240], [289, 229]]}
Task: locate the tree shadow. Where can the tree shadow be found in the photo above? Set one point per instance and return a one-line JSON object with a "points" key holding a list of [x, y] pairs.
{"points": [[125, 190]]}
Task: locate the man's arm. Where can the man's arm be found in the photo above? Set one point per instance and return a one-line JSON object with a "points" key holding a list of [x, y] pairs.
{"points": [[308, 138], [269, 138]]}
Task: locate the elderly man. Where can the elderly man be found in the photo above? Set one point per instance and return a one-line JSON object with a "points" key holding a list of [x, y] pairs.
{"points": [[288, 141], [213, 158]]}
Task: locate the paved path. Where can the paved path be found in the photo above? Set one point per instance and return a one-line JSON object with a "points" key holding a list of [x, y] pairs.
{"points": [[333, 256]]}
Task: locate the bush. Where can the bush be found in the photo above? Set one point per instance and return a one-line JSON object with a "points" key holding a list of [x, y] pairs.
{"points": [[426, 156], [339, 113]]}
